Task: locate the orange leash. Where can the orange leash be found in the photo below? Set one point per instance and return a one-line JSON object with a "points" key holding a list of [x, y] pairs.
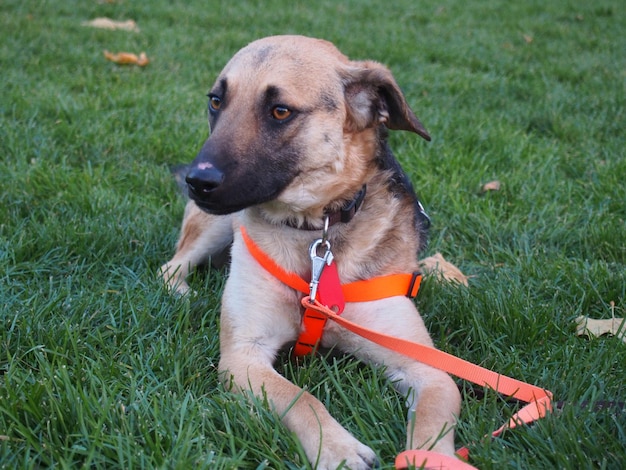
{"points": [[539, 400]]}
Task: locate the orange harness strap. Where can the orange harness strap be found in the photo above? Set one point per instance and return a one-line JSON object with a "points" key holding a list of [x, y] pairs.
{"points": [[290, 279], [313, 322], [359, 291]]}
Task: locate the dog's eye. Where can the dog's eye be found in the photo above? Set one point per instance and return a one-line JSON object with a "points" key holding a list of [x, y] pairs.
{"points": [[215, 103], [280, 113]]}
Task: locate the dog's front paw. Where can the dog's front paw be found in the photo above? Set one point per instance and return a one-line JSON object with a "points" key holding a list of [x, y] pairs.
{"points": [[346, 454], [174, 280]]}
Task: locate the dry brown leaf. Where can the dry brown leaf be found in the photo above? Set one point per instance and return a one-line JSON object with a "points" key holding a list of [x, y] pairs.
{"points": [[108, 23], [528, 38], [127, 58], [491, 186], [586, 326], [437, 265]]}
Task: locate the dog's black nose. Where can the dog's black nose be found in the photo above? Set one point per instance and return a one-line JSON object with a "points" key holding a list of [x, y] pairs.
{"points": [[204, 180]]}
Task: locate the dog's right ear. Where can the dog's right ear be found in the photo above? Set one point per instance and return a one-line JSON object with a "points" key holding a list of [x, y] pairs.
{"points": [[373, 97]]}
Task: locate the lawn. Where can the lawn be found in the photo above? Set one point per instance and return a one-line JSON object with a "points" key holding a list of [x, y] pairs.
{"points": [[101, 368]]}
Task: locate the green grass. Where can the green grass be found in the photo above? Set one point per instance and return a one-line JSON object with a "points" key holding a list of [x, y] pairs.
{"points": [[101, 368]]}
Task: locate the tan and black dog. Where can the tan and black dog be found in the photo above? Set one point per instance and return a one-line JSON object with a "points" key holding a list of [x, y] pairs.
{"points": [[298, 132]]}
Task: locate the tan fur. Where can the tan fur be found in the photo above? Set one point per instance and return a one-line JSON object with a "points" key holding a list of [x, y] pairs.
{"points": [[338, 134]]}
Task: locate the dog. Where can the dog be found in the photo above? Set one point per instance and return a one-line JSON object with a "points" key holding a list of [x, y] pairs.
{"points": [[298, 133]]}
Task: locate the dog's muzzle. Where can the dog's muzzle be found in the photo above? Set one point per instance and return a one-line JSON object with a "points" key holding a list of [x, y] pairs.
{"points": [[201, 181]]}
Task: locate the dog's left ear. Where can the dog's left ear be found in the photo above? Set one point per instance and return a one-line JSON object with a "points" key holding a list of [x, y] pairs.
{"points": [[373, 97]]}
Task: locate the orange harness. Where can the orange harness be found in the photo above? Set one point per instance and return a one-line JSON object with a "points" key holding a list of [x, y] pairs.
{"points": [[313, 322], [539, 400]]}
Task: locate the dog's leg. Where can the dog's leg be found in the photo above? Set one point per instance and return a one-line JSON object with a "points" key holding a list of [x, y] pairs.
{"points": [[433, 402], [252, 330], [202, 236], [326, 443], [432, 397]]}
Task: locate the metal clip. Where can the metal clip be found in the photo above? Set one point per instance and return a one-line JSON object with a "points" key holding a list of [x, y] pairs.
{"points": [[318, 263]]}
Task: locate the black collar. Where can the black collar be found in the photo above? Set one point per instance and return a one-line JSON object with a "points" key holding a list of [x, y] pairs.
{"points": [[343, 215]]}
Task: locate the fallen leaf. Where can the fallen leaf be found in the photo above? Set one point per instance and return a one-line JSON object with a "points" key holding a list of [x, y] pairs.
{"points": [[491, 186], [108, 23], [586, 326], [437, 265], [528, 38], [127, 58]]}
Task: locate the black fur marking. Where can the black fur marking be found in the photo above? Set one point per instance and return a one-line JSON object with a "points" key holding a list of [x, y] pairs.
{"points": [[328, 102], [272, 95], [252, 176], [262, 55], [400, 186]]}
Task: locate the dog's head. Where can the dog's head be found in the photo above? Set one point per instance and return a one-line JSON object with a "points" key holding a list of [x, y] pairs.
{"points": [[294, 124]]}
